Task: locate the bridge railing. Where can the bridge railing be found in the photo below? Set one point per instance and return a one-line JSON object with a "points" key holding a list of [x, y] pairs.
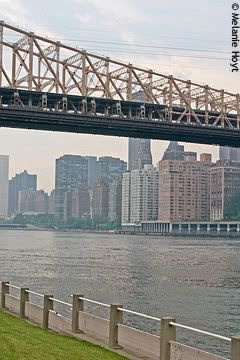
{"points": [[115, 334]]}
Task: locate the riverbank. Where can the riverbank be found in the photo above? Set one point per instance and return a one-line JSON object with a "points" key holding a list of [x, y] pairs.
{"points": [[20, 339]]}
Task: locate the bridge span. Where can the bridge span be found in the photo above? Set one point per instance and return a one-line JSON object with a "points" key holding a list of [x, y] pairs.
{"points": [[47, 85]]}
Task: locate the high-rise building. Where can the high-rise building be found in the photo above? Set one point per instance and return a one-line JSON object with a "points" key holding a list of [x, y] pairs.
{"points": [[139, 150], [4, 168], [224, 183], [229, 153], [92, 170], [41, 202], [20, 182], [139, 153], [110, 169], [126, 198], [115, 200], [31, 201], [71, 172], [26, 201], [76, 203], [174, 151], [140, 195], [100, 199], [184, 190], [51, 203]]}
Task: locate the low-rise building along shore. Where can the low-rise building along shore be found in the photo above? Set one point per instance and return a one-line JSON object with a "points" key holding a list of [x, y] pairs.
{"points": [[207, 228]]}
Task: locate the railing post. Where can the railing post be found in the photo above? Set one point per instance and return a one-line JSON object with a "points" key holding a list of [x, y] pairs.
{"points": [[167, 334], [235, 348], [24, 296], [4, 291], [47, 305], [77, 305], [116, 317]]}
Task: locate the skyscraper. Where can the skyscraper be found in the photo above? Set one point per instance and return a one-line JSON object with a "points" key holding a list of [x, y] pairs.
{"points": [[20, 182], [228, 153], [110, 169], [224, 184], [174, 151], [140, 195], [71, 172], [4, 167], [115, 200], [139, 150], [184, 189], [92, 170], [139, 153]]}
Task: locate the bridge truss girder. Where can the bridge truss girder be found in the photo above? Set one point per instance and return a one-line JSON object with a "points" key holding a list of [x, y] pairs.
{"points": [[40, 64]]}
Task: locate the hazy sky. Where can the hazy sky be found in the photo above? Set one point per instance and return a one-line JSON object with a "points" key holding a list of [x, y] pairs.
{"points": [[190, 25]]}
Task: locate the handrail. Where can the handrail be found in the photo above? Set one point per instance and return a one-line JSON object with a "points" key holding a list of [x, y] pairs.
{"points": [[13, 286], [34, 293], [60, 302], [203, 332], [139, 314], [94, 302], [220, 337]]}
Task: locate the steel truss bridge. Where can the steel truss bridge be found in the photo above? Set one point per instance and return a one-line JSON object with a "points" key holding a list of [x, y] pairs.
{"points": [[47, 85]]}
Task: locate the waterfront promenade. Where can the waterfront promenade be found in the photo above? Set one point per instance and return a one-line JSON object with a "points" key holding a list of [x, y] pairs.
{"points": [[111, 332]]}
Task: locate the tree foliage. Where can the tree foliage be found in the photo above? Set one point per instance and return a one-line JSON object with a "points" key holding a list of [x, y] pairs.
{"points": [[232, 209]]}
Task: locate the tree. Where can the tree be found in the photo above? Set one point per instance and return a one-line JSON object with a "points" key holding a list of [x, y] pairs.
{"points": [[232, 209]]}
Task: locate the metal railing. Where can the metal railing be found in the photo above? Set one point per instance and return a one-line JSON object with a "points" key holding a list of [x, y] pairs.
{"points": [[167, 329], [202, 332], [94, 302], [139, 314], [34, 293]]}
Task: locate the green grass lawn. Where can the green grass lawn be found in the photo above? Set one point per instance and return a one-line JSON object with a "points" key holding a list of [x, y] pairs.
{"points": [[20, 340]]}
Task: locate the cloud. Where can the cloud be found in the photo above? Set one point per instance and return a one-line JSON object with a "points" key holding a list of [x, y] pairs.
{"points": [[106, 10], [14, 11]]}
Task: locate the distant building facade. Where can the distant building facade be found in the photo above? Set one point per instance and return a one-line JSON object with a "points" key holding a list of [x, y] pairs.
{"points": [[76, 203], [115, 201], [31, 201], [224, 183], [229, 153], [139, 153], [4, 168], [140, 195], [51, 203], [92, 170], [110, 169], [20, 182], [174, 151], [100, 199], [71, 172], [126, 198], [139, 150], [184, 189]]}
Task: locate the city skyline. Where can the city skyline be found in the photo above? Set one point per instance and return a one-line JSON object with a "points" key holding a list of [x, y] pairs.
{"points": [[46, 174]]}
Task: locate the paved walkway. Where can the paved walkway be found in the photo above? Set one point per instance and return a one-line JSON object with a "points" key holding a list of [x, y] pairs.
{"points": [[129, 354]]}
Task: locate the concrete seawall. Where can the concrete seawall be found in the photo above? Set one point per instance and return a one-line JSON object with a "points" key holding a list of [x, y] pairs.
{"points": [[136, 343]]}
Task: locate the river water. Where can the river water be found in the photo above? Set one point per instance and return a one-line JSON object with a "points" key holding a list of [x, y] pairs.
{"points": [[195, 280]]}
